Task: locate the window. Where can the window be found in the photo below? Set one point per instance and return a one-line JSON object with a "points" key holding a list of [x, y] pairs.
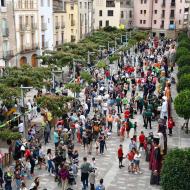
{"points": [[100, 23], [85, 5], [130, 14], [163, 13], [140, 21], [62, 37], [100, 12], [145, 1], [26, 4], [144, 21], [80, 4], [144, 11], [110, 12], [141, 11], [179, 22], [3, 4], [172, 13], [156, 1], [180, 1], [42, 3], [107, 22], [171, 22], [48, 2], [155, 11], [186, 10], [162, 24], [141, 1], [154, 21], [26, 21], [179, 10], [122, 15]]}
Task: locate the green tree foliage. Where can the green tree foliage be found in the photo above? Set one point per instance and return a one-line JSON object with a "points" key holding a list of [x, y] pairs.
{"points": [[8, 95], [184, 43], [86, 76], [181, 51], [182, 36], [183, 60], [183, 83], [183, 70], [101, 64], [74, 87], [9, 135], [27, 76], [175, 171], [182, 104], [113, 58], [57, 105]]}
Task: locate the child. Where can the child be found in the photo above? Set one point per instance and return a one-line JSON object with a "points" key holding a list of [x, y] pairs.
{"points": [[92, 177]]}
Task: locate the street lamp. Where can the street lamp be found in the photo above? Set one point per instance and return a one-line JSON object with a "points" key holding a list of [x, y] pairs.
{"points": [[88, 61], [53, 76], [22, 88]]}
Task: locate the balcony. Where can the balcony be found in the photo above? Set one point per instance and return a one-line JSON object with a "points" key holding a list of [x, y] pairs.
{"points": [[62, 26], [172, 16], [45, 45], [43, 26], [57, 25], [110, 3], [22, 28], [163, 16], [72, 23], [8, 54], [5, 32], [29, 48], [33, 26]]}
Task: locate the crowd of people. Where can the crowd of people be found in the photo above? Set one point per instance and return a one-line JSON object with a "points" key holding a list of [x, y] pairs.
{"points": [[139, 85]]}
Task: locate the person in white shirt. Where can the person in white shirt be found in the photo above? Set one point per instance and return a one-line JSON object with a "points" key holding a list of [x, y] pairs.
{"points": [[137, 157], [21, 127]]}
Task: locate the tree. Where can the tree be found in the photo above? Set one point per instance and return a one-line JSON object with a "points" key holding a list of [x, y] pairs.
{"points": [[101, 64], [183, 83], [183, 70], [182, 36], [182, 105], [74, 87], [183, 60], [180, 52], [185, 44], [57, 105], [86, 76], [113, 58], [175, 172]]}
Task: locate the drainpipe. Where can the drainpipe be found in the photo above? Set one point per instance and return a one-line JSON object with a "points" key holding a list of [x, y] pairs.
{"points": [[13, 9]]}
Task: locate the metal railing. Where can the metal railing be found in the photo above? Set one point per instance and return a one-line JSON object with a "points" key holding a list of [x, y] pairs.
{"points": [[8, 54], [5, 32], [29, 48], [57, 25], [33, 26], [44, 26]]}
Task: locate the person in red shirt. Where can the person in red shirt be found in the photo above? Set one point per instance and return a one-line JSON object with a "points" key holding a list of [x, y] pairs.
{"points": [[127, 115], [171, 124], [141, 140], [120, 155], [130, 157]]}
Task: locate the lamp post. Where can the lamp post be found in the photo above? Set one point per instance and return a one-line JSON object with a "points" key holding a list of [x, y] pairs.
{"points": [[22, 88], [88, 61]]}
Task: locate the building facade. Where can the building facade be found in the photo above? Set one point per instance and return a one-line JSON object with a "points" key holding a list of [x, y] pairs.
{"points": [[126, 16], [106, 13], [7, 34], [163, 17], [45, 13], [27, 31]]}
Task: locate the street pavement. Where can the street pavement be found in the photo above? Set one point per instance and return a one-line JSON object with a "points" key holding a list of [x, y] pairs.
{"points": [[107, 164]]}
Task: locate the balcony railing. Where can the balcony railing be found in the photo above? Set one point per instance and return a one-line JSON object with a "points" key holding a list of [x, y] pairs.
{"points": [[8, 54], [22, 28], [72, 23], [172, 16], [43, 26], [5, 32], [33, 26], [29, 48], [57, 25], [62, 25], [45, 45]]}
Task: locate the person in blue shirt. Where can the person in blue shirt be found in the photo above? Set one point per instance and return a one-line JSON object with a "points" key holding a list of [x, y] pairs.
{"points": [[56, 138]]}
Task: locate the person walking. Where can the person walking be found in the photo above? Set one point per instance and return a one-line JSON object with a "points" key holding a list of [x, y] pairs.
{"points": [[141, 140], [120, 156], [64, 175], [171, 124], [92, 178], [49, 161], [85, 169], [8, 177], [102, 143], [110, 122]]}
